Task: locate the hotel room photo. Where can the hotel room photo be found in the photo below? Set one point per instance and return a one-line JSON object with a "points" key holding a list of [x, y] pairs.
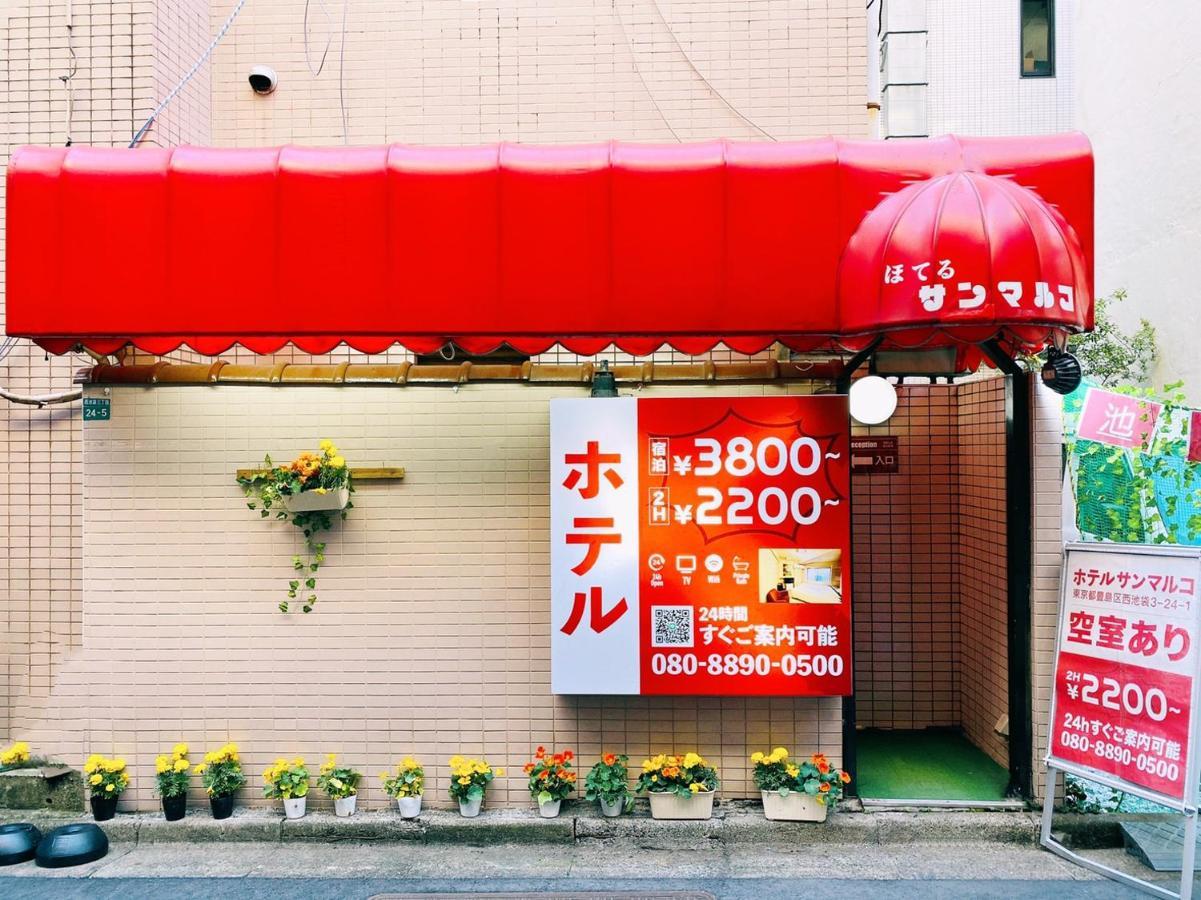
{"points": [[800, 576]]}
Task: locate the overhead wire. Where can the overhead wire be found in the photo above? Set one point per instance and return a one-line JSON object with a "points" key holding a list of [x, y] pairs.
{"points": [[196, 66]]}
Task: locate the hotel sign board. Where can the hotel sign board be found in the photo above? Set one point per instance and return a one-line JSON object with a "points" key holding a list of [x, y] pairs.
{"points": [[1124, 701], [700, 546]]}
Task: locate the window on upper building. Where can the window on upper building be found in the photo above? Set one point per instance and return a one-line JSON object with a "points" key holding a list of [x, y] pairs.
{"points": [[1038, 38]]}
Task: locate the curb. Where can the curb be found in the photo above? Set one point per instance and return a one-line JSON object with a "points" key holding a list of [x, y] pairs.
{"points": [[733, 824]]}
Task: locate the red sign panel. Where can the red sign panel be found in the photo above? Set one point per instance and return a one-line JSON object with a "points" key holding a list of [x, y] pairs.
{"points": [[1125, 675], [727, 526]]}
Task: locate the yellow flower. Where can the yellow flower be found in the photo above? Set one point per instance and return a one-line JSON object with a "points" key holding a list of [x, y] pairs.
{"points": [[320, 491], [108, 787], [181, 765], [757, 757], [161, 765], [693, 759], [327, 446], [180, 750], [778, 755], [499, 773], [383, 776], [200, 767], [792, 770], [96, 779], [464, 781], [338, 462], [695, 787]]}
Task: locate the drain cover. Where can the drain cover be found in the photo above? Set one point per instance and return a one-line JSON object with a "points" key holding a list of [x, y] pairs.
{"points": [[559, 895]]}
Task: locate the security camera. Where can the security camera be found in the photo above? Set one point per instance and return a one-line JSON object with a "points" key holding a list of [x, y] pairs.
{"points": [[262, 80]]}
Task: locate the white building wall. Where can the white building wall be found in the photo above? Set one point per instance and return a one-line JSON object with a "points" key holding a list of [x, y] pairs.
{"points": [[953, 66], [1136, 100]]}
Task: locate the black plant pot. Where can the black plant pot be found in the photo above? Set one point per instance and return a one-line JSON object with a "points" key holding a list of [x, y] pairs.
{"points": [[103, 808], [223, 807], [175, 807]]}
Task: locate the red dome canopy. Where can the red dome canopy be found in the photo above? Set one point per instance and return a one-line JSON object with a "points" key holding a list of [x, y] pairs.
{"points": [[976, 252]]}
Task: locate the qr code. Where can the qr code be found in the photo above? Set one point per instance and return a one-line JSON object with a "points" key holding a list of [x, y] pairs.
{"points": [[671, 626]]}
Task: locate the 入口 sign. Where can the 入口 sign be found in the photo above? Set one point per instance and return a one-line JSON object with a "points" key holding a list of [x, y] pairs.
{"points": [[875, 454], [1124, 702], [700, 546]]}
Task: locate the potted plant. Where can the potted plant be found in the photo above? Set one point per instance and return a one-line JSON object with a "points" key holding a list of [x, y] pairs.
{"points": [[171, 781], [797, 792], [608, 784], [679, 787], [407, 786], [107, 778], [551, 780], [287, 781], [308, 491], [469, 778], [341, 783], [222, 777]]}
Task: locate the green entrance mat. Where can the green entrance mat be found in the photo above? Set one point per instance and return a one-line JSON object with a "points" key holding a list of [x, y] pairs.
{"points": [[932, 764]]}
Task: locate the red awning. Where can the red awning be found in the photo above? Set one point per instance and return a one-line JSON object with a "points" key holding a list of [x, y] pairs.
{"points": [[817, 244]]}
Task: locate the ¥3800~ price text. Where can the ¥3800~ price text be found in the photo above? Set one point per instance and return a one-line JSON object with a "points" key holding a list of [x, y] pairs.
{"points": [[803, 664]]}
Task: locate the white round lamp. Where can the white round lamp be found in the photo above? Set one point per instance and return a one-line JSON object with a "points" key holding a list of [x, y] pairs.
{"points": [[873, 400]]}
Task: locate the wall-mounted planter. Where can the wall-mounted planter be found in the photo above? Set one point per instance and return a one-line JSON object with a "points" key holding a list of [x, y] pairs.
{"points": [[46, 787], [311, 501]]}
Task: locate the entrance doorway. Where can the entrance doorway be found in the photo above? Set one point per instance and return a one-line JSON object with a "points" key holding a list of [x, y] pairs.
{"points": [[932, 594]]}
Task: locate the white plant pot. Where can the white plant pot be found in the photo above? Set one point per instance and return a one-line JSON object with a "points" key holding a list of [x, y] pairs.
{"points": [[294, 808], [612, 808], [671, 806], [310, 501], [344, 806], [550, 809], [796, 807], [410, 807], [469, 809]]}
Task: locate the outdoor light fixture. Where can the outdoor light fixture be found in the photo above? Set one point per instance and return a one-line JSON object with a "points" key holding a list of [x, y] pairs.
{"points": [[262, 79], [873, 400], [1061, 372], [604, 384]]}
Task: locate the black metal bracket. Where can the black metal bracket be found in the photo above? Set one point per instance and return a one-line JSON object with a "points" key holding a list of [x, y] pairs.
{"points": [[843, 382]]}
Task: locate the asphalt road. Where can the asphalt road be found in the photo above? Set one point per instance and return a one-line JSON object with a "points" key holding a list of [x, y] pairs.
{"points": [[259, 888]]}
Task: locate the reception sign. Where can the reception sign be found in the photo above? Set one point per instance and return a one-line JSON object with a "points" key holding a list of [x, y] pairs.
{"points": [[1124, 708], [700, 546]]}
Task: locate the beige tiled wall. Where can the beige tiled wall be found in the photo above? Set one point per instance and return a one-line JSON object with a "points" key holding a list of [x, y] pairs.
{"points": [[432, 632], [431, 71], [1046, 557]]}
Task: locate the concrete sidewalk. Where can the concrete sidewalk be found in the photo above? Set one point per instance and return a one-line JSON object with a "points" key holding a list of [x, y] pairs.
{"points": [[734, 824], [928, 870]]}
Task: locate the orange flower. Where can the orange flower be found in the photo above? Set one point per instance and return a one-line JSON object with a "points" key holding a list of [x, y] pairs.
{"points": [[545, 774], [824, 787], [529, 767], [568, 755], [569, 776], [817, 758], [557, 759], [823, 767], [844, 777], [609, 758], [541, 752]]}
